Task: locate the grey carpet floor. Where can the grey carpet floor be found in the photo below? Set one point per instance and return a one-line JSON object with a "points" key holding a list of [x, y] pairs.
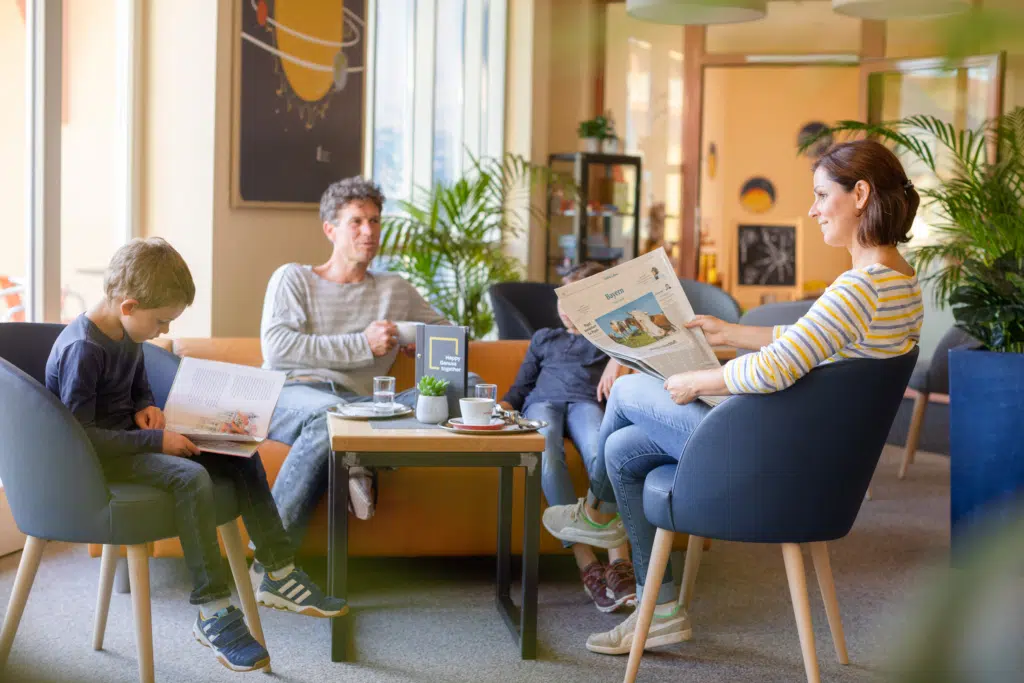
{"points": [[434, 620]]}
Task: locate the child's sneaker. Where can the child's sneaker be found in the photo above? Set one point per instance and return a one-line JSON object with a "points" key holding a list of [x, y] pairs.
{"points": [[621, 583], [228, 636], [297, 593], [595, 586]]}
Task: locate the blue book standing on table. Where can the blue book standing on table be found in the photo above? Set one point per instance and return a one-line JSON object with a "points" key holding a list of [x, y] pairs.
{"points": [[442, 351]]}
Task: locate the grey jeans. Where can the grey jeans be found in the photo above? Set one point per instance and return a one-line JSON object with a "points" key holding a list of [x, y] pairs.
{"points": [[300, 420]]}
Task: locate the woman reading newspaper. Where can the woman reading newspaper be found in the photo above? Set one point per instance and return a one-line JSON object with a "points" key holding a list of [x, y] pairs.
{"points": [[864, 203]]}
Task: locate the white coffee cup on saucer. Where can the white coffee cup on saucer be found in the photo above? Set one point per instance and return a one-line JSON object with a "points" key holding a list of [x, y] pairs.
{"points": [[406, 332], [476, 411]]}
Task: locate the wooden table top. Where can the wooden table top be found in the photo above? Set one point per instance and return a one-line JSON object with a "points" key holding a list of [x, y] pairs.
{"points": [[724, 353], [358, 435]]}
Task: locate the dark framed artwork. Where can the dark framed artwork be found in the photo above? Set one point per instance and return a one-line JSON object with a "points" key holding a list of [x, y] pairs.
{"points": [[299, 96], [767, 255]]}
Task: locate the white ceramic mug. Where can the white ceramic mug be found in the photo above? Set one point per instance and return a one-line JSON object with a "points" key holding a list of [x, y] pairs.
{"points": [[406, 332], [476, 411]]}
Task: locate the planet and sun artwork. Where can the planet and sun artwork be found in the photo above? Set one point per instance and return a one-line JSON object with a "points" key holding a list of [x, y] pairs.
{"points": [[308, 38], [299, 107]]}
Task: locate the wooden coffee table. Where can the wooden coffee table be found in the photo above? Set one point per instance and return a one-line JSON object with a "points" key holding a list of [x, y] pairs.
{"points": [[356, 443]]}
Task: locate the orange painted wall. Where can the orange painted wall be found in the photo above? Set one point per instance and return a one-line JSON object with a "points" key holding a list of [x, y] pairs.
{"points": [[753, 115]]}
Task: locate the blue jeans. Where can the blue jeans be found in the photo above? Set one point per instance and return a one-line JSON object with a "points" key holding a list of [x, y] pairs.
{"points": [[583, 421], [643, 429], [300, 420], [189, 482]]}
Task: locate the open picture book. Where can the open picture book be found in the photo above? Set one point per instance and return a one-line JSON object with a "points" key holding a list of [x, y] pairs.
{"points": [[636, 313], [222, 407]]}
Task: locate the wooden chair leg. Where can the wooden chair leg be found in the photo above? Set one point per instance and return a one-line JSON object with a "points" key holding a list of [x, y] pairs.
{"points": [[655, 573], [27, 567], [823, 570], [801, 608], [914, 432], [108, 567], [236, 560], [694, 550], [138, 570]]}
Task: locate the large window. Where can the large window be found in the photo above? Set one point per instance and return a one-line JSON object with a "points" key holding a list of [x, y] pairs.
{"points": [[14, 261], [439, 88]]}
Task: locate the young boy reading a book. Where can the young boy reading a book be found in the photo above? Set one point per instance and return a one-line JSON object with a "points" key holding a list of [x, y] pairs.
{"points": [[562, 381], [96, 368]]}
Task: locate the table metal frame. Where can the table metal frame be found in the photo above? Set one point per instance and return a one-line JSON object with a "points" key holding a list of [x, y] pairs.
{"points": [[521, 620]]}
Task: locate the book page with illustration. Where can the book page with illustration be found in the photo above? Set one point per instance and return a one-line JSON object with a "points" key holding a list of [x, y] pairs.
{"points": [[636, 313], [222, 407]]}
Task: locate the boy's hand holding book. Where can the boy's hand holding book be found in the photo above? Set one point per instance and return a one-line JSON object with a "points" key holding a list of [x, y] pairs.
{"points": [[176, 444], [150, 418]]}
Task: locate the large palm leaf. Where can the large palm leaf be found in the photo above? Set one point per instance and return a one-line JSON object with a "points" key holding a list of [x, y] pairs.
{"points": [[449, 241]]}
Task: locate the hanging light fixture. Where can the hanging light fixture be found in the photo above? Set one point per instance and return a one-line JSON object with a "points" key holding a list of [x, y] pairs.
{"points": [[899, 9], [696, 11]]}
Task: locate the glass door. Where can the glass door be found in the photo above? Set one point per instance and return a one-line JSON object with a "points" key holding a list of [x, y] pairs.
{"points": [[965, 94]]}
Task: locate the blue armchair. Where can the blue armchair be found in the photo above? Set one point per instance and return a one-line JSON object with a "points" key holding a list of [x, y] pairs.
{"points": [[790, 467], [57, 492]]}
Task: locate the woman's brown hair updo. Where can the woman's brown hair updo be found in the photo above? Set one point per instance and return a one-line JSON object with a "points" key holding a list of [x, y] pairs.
{"points": [[892, 202]]}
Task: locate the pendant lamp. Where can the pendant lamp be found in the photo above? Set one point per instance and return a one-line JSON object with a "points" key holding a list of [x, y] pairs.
{"points": [[696, 11], [899, 9]]}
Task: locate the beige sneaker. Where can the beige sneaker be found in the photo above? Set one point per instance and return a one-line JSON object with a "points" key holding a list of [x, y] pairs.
{"points": [[571, 523], [666, 629], [360, 493]]}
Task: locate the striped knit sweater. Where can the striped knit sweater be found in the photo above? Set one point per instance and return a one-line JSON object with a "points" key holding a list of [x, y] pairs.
{"points": [[872, 312]]}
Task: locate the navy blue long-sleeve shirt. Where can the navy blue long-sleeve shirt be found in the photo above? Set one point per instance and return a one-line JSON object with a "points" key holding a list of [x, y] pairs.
{"points": [[103, 382], [558, 367]]}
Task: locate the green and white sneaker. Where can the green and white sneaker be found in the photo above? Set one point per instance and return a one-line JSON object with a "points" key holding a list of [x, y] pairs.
{"points": [[571, 523], [672, 626]]}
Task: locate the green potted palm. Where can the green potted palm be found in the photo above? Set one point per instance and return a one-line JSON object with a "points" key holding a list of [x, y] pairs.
{"points": [[976, 264], [450, 240]]}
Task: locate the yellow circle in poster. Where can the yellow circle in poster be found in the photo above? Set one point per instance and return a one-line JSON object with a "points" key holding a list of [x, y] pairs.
{"points": [[297, 22], [757, 195]]}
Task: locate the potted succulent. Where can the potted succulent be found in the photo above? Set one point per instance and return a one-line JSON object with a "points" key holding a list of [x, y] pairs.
{"points": [[977, 266], [432, 402]]}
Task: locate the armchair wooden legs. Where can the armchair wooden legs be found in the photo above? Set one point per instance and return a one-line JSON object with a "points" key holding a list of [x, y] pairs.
{"points": [[138, 574], [823, 570], [108, 567], [801, 608], [30, 557], [795, 572], [694, 549], [649, 600], [236, 560], [914, 432]]}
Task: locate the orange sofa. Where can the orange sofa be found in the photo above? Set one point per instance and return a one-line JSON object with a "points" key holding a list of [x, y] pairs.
{"points": [[426, 511]]}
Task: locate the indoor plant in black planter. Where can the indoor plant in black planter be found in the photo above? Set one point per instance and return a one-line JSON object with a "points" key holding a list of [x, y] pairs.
{"points": [[977, 265]]}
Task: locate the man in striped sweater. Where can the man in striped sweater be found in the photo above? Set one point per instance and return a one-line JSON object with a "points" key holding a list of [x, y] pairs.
{"points": [[332, 328]]}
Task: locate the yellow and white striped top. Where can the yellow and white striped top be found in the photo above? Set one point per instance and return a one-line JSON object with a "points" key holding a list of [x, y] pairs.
{"points": [[872, 312]]}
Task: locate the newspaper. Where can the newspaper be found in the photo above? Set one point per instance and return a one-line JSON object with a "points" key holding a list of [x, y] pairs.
{"points": [[636, 312], [222, 407]]}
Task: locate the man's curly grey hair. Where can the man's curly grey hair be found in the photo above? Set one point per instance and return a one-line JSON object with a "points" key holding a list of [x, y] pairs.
{"points": [[338, 194]]}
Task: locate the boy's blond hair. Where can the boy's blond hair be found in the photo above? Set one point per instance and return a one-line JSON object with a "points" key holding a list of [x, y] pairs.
{"points": [[150, 271]]}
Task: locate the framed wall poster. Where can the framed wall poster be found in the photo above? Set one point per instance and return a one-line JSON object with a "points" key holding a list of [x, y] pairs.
{"points": [[298, 99], [766, 255]]}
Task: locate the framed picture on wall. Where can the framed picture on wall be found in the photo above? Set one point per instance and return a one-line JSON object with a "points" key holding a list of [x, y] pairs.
{"points": [[766, 255], [298, 99]]}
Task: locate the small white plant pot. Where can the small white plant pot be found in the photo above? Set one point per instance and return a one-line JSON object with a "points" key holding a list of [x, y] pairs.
{"points": [[591, 145], [610, 145], [432, 409]]}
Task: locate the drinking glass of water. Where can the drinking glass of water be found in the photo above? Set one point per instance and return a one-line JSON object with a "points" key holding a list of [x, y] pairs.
{"points": [[384, 395], [489, 391]]}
